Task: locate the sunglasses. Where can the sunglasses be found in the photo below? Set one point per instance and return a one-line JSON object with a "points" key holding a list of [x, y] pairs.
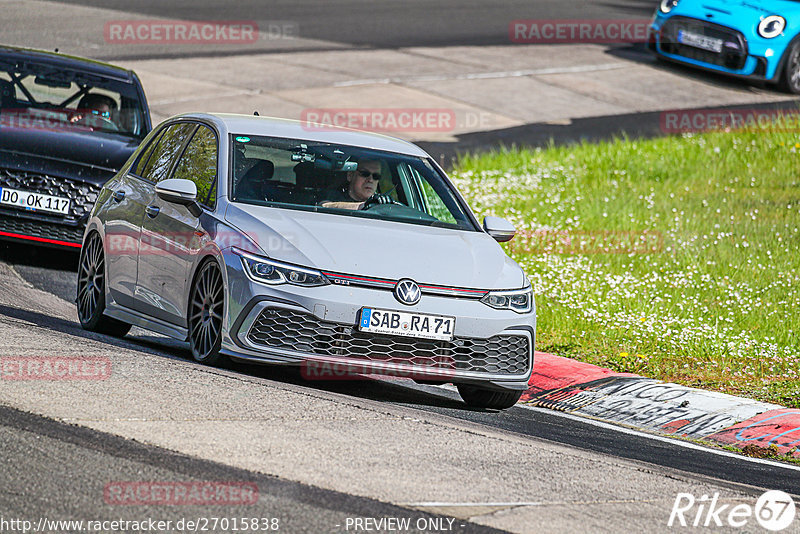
{"points": [[105, 114], [366, 174]]}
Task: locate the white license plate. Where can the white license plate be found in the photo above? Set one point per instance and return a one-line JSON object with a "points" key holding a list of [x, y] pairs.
{"points": [[700, 41], [407, 324], [33, 201]]}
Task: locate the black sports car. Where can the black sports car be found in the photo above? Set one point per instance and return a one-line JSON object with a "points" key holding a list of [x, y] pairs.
{"points": [[67, 125]]}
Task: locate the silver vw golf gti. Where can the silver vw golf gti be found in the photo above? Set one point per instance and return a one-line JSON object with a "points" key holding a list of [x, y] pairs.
{"points": [[343, 252]]}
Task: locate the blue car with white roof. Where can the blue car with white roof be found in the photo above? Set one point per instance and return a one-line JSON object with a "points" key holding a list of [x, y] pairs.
{"points": [[753, 39]]}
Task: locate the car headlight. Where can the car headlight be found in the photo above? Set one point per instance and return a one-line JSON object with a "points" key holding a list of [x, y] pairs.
{"points": [[275, 273], [667, 5], [771, 26], [520, 301]]}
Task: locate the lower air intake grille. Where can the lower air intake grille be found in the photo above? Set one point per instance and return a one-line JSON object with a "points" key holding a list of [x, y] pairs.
{"points": [[291, 330]]}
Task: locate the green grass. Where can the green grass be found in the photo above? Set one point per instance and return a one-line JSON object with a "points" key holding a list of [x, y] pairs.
{"points": [[709, 295]]}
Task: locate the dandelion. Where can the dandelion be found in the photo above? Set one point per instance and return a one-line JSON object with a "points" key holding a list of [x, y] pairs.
{"points": [[711, 314]]}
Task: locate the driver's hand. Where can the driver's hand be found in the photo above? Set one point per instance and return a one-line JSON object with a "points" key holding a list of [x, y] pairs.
{"points": [[377, 198]]}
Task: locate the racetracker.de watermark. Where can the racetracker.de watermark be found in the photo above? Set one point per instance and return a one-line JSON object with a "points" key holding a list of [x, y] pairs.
{"points": [[587, 242], [753, 120], [197, 31], [43, 119], [566, 31], [189, 243], [203, 493], [380, 119], [444, 367], [54, 368]]}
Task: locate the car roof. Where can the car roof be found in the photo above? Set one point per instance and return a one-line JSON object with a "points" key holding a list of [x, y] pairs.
{"points": [[62, 61], [301, 130]]}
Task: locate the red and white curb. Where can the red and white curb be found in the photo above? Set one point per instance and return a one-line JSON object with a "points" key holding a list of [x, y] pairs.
{"points": [[635, 401]]}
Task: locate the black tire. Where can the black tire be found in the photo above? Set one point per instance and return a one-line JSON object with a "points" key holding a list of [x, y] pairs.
{"points": [[492, 399], [790, 78], [206, 308], [91, 297]]}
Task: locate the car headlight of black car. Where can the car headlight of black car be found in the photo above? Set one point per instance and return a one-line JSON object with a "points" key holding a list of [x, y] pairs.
{"points": [[275, 273], [667, 5], [771, 26], [520, 301]]}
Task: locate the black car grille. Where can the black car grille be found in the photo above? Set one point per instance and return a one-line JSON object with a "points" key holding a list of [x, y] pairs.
{"points": [[734, 47], [45, 230], [291, 330], [82, 195]]}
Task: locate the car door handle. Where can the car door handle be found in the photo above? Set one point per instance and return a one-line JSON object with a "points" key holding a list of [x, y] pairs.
{"points": [[119, 196], [152, 211]]}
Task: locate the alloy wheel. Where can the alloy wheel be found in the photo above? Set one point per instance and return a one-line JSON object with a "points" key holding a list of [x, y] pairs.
{"points": [[91, 279], [793, 72], [91, 297], [790, 79], [205, 314]]}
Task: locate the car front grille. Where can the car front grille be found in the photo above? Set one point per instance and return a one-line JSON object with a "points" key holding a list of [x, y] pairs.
{"points": [[279, 328], [82, 195], [41, 229], [734, 47]]}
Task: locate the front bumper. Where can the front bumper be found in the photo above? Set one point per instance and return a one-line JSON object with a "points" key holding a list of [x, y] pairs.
{"points": [[46, 228], [299, 326], [12, 227], [743, 56]]}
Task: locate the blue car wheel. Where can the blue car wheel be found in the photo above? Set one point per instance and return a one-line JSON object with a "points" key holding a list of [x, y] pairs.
{"points": [[790, 80]]}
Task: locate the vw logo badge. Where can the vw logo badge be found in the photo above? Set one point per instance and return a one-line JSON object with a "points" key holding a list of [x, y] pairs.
{"points": [[407, 291]]}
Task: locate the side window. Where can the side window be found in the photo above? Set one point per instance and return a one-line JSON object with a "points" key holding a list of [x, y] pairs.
{"points": [[434, 203], [199, 164], [164, 154], [144, 157]]}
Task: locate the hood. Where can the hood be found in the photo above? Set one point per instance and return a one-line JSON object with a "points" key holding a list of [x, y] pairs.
{"points": [[382, 249], [772, 7], [93, 154], [739, 8]]}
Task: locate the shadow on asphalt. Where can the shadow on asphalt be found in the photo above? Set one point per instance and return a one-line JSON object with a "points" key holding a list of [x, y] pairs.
{"points": [[57, 259], [53, 270], [50, 269], [380, 390], [144, 341], [639, 53], [644, 125]]}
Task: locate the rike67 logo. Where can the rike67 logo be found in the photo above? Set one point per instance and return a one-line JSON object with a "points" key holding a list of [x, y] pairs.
{"points": [[774, 511]]}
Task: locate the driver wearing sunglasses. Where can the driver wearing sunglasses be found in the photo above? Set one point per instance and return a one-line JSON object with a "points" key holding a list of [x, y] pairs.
{"points": [[361, 189], [96, 110]]}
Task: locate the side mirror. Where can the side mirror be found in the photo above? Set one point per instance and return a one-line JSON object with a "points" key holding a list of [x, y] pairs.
{"points": [[180, 191], [500, 229]]}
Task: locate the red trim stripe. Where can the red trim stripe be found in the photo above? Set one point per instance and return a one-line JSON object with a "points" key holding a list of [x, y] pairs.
{"points": [[392, 282], [41, 239], [332, 275], [454, 289]]}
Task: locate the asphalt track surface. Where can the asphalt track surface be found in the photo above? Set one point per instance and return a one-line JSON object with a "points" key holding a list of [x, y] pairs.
{"points": [[67, 464], [373, 25], [34, 445], [56, 274], [381, 23]]}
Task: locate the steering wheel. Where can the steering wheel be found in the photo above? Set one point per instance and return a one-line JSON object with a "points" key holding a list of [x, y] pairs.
{"points": [[96, 121], [379, 199]]}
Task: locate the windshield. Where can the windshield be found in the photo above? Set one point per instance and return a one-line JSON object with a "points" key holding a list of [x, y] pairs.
{"points": [[344, 180], [40, 96]]}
